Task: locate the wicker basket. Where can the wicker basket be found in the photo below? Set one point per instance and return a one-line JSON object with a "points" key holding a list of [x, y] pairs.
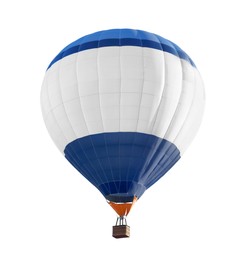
{"points": [[121, 231]]}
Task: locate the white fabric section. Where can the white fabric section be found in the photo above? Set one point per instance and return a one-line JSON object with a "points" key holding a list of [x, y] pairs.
{"points": [[193, 118], [132, 71], [152, 89], [183, 105], [170, 95], [109, 73], [87, 75], [126, 88]]}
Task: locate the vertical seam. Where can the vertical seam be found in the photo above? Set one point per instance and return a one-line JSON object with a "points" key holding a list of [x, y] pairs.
{"points": [[142, 89], [179, 100], [177, 105], [141, 97], [120, 93], [51, 111], [191, 106], [154, 150], [81, 110], [103, 134]]}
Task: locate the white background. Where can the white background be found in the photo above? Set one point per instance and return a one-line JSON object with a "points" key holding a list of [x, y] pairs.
{"points": [[48, 210]]}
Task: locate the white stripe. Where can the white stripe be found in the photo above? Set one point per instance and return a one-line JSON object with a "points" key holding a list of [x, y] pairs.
{"points": [[126, 88]]}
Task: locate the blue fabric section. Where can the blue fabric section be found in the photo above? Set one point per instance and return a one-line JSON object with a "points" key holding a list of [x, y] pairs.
{"points": [[124, 164], [122, 37]]}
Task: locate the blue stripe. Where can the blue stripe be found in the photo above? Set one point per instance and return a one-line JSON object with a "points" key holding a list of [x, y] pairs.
{"points": [[124, 164], [122, 37]]}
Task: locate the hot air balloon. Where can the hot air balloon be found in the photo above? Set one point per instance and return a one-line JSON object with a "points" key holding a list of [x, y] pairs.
{"points": [[122, 105]]}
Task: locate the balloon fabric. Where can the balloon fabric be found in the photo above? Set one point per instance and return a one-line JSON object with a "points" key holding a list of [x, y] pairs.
{"points": [[122, 105]]}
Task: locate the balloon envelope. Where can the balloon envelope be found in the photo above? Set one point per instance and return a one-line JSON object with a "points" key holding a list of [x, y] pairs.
{"points": [[122, 105]]}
